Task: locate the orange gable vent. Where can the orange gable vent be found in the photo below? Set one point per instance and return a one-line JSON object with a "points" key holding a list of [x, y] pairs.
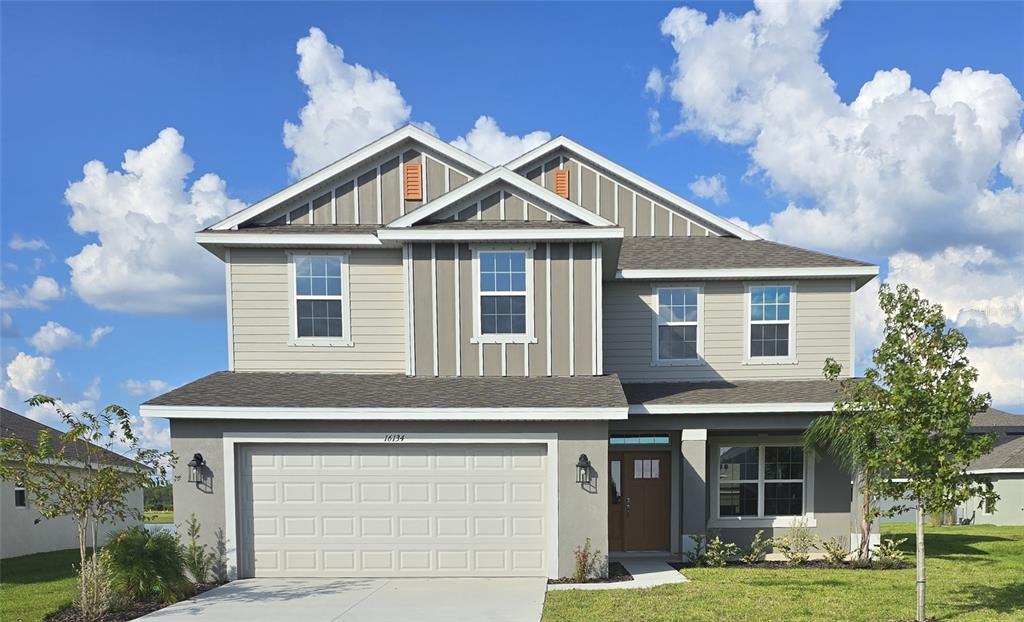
{"points": [[413, 182], [562, 183]]}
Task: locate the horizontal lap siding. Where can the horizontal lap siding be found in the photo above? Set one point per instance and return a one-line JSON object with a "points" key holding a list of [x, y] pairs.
{"points": [[822, 330], [260, 313]]}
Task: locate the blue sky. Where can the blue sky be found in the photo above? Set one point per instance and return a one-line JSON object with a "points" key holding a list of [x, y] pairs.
{"points": [[85, 82]]}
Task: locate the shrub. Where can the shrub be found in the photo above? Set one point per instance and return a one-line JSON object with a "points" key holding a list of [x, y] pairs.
{"points": [[147, 567], [220, 558], [94, 584], [889, 554], [695, 556], [719, 552], [198, 559], [836, 551], [757, 550], [797, 545], [586, 562]]}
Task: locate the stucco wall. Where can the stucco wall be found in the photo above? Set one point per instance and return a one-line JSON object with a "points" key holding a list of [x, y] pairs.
{"points": [[1009, 510], [21, 535], [581, 513]]}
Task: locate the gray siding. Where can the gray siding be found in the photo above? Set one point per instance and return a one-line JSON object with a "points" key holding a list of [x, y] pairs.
{"points": [[638, 213], [505, 204], [823, 325], [566, 349], [260, 311]]}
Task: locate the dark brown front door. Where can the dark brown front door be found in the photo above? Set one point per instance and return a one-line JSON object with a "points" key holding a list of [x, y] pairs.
{"points": [[638, 500]]}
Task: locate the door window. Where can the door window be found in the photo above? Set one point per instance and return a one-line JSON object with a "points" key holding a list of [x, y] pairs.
{"points": [[616, 492], [646, 469]]}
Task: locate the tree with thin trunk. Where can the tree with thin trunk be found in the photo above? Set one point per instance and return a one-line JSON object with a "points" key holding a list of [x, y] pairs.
{"points": [[906, 423], [79, 475]]}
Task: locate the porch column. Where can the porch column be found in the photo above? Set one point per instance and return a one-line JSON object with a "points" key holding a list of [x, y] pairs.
{"points": [[694, 448]]}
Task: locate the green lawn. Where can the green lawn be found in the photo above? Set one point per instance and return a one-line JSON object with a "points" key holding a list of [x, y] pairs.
{"points": [[35, 585], [158, 517], [975, 573]]}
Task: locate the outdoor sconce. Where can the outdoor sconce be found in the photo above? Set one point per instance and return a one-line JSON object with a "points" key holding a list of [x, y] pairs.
{"points": [[195, 469], [583, 470]]}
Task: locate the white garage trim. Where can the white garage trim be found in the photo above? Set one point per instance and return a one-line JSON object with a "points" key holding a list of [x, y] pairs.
{"points": [[550, 440]]}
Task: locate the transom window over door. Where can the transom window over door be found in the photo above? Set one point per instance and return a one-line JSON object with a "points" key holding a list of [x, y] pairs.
{"points": [[320, 306], [771, 323], [761, 481], [678, 330], [503, 295]]}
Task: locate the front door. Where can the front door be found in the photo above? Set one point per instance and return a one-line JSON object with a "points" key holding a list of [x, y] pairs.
{"points": [[638, 502]]}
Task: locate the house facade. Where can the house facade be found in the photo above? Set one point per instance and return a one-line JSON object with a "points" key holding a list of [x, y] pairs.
{"points": [[23, 531], [438, 367]]}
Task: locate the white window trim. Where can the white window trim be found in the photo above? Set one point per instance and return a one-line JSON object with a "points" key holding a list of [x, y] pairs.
{"points": [[18, 487], [791, 359], [656, 359], [719, 521], [478, 336], [346, 303]]}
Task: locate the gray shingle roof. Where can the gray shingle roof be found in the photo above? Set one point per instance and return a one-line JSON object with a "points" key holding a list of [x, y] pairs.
{"points": [[13, 425], [1008, 455], [993, 419], [739, 392], [312, 390], [715, 252]]}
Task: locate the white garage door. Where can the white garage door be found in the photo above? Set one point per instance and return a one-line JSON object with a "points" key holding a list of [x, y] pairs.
{"points": [[393, 510]]}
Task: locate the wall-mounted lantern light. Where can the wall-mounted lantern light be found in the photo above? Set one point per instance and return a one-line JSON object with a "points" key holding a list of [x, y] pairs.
{"points": [[195, 469], [583, 470]]}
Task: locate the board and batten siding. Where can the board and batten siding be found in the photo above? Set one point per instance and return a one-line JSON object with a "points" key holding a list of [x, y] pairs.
{"points": [[372, 193], [260, 315], [823, 329], [637, 213], [566, 290]]}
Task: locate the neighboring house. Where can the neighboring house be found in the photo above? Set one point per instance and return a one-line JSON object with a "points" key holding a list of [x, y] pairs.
{"points": [[439, 367], [1004, 465], [22, 530]]}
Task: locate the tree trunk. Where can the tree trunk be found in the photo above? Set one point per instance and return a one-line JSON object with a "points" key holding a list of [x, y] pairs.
{"points": [[83, 537], [920, 562], [864, 547]]}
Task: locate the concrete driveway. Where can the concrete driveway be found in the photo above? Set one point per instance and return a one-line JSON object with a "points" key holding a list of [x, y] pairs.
{"points": [[364, 600]]}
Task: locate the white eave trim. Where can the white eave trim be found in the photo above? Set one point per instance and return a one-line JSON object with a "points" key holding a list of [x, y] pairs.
{"points": [[382, 144], [287, 239], [385, 414], [502, 174], [562, 142], [1006, 471], [490, 235], [701, 409], [742, 273]]}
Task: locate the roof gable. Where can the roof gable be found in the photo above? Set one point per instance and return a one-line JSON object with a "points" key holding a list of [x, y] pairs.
{"points": [[401, 139], [538, 156]]}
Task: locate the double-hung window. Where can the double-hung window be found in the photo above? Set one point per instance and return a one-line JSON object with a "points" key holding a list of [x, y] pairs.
{"points": [[677, 330], [770, 321], [20, 496], [320, 299], [761, 481], [503, 295]]}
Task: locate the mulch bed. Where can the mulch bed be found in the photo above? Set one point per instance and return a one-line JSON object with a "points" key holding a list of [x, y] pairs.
{"points": [[135, 610], [780, 565], [616, 573]]}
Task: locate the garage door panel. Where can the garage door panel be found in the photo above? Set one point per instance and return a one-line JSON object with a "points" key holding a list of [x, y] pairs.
{"points": [[376, 510]]}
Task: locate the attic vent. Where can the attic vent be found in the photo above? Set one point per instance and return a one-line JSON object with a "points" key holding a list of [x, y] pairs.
{"points": [[413, 182], [562, 183]]}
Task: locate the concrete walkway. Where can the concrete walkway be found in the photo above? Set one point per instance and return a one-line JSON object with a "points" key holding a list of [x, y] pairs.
{"points": [[364, 600], [646, 571]]}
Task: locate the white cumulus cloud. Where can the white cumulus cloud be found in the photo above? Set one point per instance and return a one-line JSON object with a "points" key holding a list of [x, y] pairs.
{"points": [[488, 142], [28, 375], [144, 387], [99, 333], [18, 243], [42, 291], [53, 336], [711, 188], [145, 216]]}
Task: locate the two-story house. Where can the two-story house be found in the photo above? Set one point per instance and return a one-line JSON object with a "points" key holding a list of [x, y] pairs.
{"points": [[438, 367]]}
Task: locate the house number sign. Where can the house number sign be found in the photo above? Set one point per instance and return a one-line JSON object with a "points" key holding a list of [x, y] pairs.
{"points": [[394, 438]]}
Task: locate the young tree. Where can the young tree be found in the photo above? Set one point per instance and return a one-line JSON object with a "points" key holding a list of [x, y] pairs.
{"points": [[77, 474], [909, 417]]}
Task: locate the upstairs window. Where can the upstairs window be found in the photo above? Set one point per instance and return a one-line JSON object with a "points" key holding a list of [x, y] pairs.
{"points": [[770, 324], [20, 496], [678, 329], [320, 305], [503, 295]]}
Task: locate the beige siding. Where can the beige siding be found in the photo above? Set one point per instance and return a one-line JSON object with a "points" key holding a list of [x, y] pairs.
{"points": [[322, 210], [260, 310], [823, 310], [569, 338]]}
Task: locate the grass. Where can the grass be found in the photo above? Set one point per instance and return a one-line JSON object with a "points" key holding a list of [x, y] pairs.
{"points": [[158, 517], [35, 585], [975, 574]]}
